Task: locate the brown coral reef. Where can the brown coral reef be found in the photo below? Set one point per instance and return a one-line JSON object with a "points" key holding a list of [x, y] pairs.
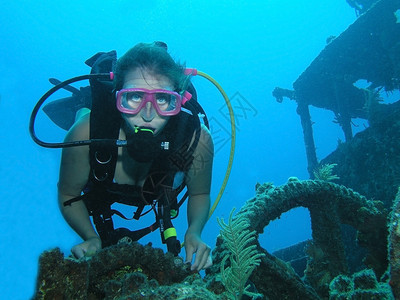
{"points": [[123, 271], [133, 271]]}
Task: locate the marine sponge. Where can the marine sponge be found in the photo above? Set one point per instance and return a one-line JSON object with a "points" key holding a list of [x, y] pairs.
{"points": [[361, 285], [243, 256]]}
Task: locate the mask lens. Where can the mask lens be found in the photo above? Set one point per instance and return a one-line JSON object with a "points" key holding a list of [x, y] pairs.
{"points": [[166, 101], [132, 100]]}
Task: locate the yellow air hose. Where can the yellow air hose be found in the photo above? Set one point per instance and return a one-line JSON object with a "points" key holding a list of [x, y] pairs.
{"points": [[233, 131], [233, 140]]}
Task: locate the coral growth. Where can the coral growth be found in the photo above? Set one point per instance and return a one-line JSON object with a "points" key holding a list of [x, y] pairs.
{"points": [[394, 247], [119, 272], [362, 285], [330, 205], [133, 271], [243, 257], [325, 172]]}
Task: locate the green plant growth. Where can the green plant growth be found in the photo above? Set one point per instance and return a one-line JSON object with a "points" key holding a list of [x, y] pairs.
{"points": [[243, 256], [325, 173]]}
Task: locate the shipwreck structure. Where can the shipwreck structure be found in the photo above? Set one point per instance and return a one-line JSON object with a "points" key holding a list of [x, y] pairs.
{"points": [[368, 50]]}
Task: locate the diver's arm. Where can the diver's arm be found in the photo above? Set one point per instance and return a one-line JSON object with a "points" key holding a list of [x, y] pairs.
{"points": [[197, 213], [198, 180], [74, 171], [77, 217]]}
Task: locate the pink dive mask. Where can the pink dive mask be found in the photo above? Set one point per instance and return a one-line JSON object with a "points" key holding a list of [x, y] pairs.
{"points": [[166, 103]]}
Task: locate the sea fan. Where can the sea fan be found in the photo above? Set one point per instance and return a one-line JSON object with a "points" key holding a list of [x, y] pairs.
{"points": [[325, 173], [243, 256]]}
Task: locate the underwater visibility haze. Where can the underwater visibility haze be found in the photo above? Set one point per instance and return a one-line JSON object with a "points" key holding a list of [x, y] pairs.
{"points": [[249, 47]]}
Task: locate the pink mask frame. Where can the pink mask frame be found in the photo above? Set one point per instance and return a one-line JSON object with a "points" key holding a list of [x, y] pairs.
{"points": [[149, 96]]}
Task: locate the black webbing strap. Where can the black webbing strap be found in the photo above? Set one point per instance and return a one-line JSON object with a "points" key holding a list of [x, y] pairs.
{"points": [[165, 203], [104, 124], [105, 120], [76, 199]]}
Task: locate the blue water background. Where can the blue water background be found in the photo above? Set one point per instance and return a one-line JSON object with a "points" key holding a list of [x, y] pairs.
{"points": [[250, 47]]}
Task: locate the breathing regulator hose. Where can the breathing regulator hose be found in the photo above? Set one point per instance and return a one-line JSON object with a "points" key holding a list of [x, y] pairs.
{"points": [[64, 84]]}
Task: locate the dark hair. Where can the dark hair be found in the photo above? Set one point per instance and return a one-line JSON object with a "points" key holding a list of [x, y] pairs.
{"points": [[153, 58]]}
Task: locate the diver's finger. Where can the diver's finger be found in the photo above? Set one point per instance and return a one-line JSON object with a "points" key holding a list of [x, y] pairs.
{"points": [[205, 254], [91, 250], [197, 259], [77, 251], [189, 254], [209, 262]]}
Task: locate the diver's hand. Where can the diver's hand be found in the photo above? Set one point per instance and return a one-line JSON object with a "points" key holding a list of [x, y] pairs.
{"points": [[194, 245], [87, 248]]}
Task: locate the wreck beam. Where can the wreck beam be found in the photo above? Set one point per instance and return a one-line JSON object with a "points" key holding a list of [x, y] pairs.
{"points": [[304, 113]]}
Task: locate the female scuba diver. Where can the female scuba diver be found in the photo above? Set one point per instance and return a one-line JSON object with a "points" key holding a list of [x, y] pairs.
{"points": [[150, 89]]}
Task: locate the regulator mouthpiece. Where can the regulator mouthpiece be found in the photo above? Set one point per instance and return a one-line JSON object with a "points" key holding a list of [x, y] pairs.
{"points": [[143, 145]]}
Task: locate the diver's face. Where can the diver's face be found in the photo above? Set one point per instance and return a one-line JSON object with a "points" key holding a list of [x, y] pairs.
{"points": [[148, 116]]}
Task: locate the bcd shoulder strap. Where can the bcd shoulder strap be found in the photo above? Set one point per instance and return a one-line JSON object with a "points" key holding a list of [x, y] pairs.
{"points": [[105, 119], [104, 124]]}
